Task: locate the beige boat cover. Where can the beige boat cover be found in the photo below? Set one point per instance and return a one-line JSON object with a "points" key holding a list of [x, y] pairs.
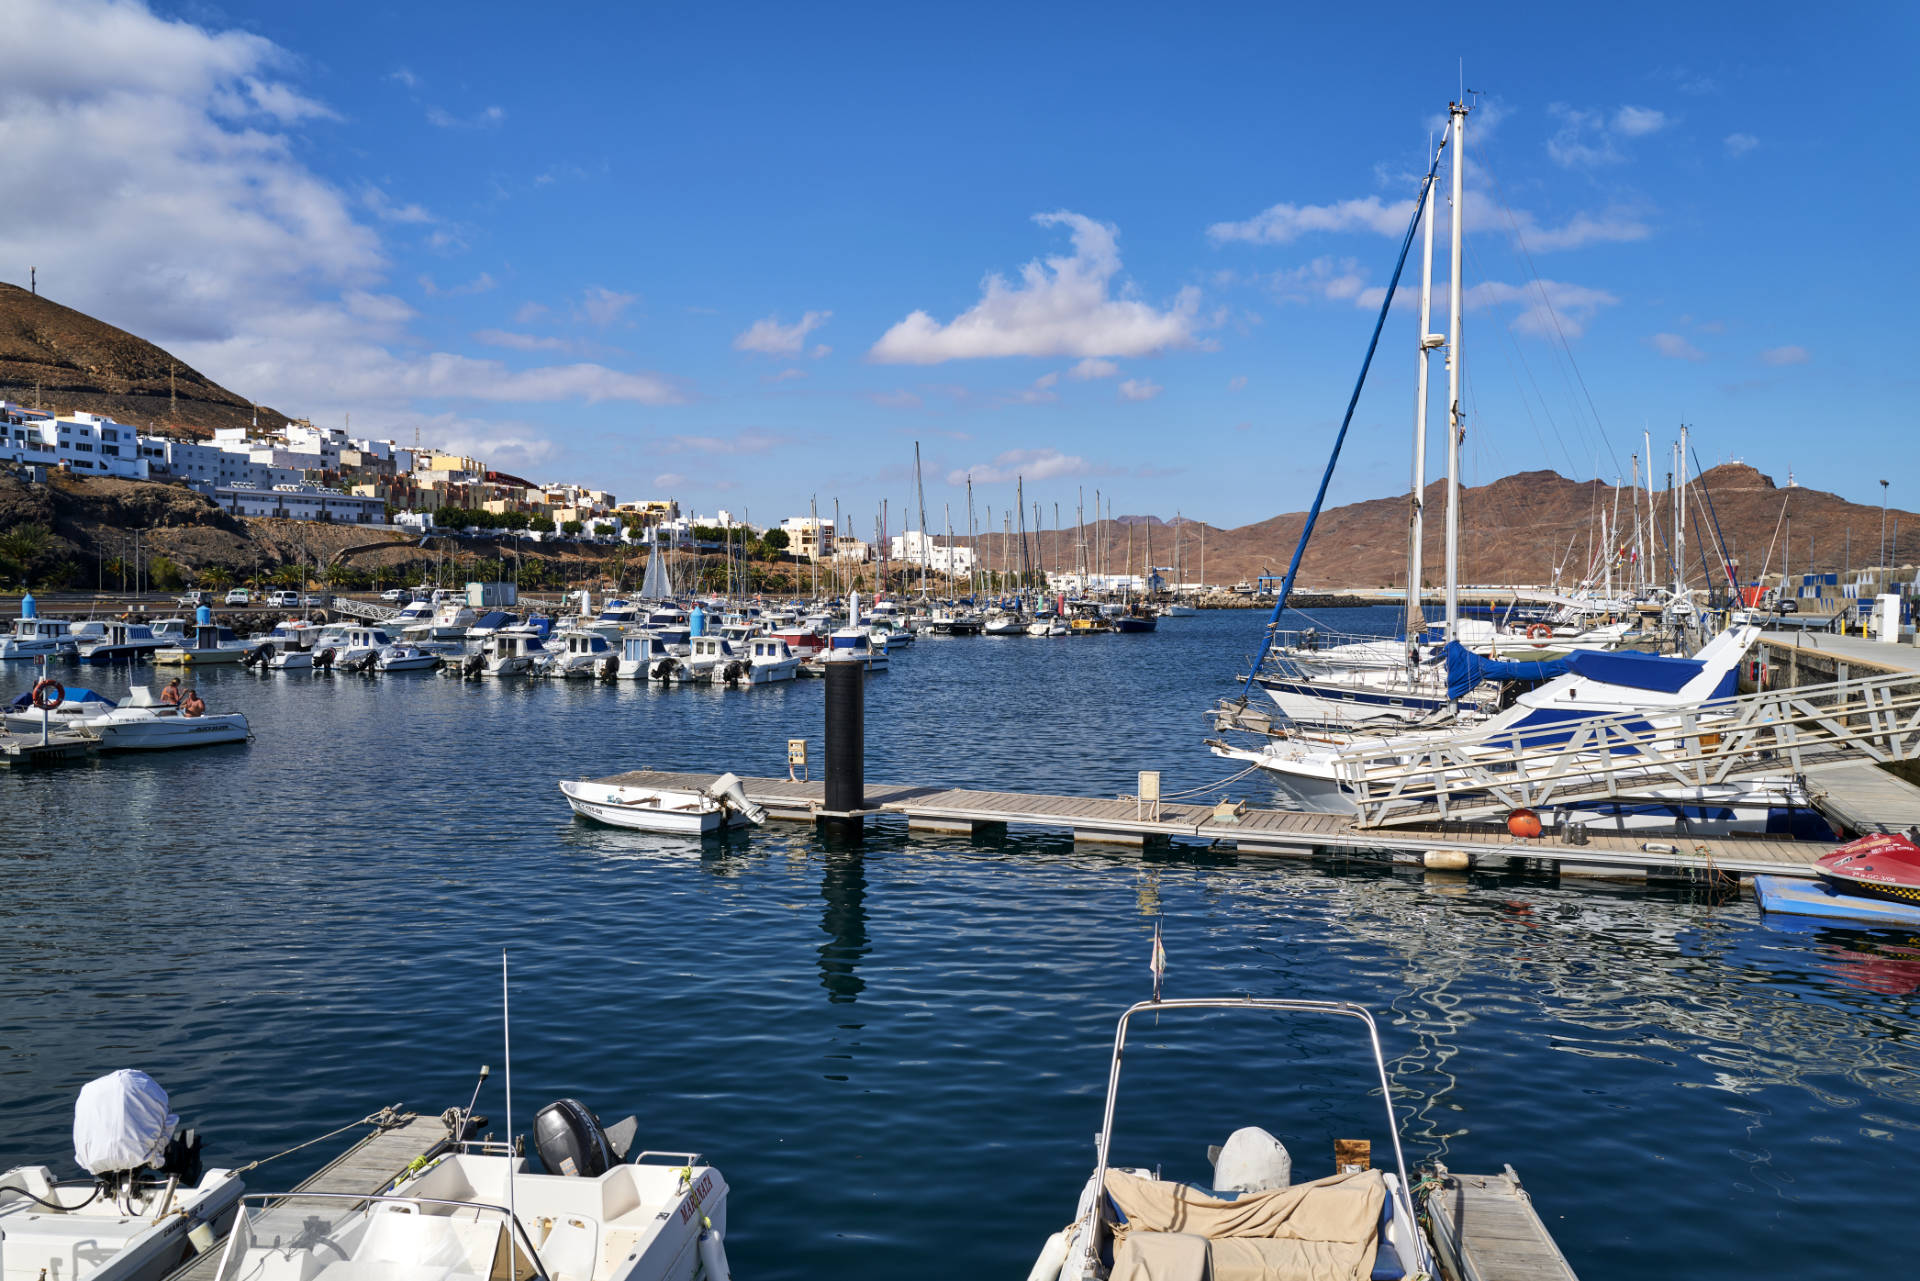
{"points": [[1320, 1231]]}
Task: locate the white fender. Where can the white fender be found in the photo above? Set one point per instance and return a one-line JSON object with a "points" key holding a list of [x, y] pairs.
{"points": [[713, 1256], [1053, 1257]]}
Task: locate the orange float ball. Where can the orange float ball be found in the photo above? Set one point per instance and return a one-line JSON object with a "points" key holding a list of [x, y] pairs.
{"points": [[1524, 824]]}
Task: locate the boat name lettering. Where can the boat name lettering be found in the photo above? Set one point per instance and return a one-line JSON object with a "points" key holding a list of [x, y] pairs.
{"points": [[699, 1194]]}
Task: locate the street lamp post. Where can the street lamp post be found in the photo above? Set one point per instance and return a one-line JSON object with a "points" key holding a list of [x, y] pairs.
{"points": [[1883, 524]]}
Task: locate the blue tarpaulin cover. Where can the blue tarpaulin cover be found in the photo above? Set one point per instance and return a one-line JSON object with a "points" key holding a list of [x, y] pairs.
{"points": [[1635, 670], [1466, 669]]}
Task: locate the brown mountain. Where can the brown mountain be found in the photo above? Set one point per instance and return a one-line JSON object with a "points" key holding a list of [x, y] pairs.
{"points": [[53, 357], [1513, 531]]}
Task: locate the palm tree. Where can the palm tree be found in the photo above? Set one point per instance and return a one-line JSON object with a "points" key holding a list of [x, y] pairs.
{"points": [[216, 578]]}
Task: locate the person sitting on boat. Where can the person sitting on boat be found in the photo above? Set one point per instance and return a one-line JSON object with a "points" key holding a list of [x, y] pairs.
{"points": [[171, 694], [192, 704]]}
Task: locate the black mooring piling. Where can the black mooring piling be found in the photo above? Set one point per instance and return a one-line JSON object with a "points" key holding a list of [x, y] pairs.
{"points": [[846, 735]]}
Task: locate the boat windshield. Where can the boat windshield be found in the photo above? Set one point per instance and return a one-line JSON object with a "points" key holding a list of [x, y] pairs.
{"points": [[373, 1239]]}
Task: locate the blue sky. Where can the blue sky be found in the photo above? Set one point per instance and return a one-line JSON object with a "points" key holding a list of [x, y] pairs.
{"points": [[748, 255]]}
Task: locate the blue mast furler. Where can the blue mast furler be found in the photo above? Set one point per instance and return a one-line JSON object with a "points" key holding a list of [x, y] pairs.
{"points": [[1313, 513]]}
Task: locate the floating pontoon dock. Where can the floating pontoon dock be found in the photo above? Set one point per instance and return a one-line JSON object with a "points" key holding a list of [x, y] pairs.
{"points": [[1254, 830], [1488, 1231], [367, 1168]]}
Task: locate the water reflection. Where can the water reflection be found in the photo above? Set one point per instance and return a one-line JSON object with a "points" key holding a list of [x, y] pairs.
{"points": [[843, 884]]}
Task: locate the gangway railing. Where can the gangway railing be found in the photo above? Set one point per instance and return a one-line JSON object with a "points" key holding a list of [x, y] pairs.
{"points": [[1784, 734], [363, 609]]}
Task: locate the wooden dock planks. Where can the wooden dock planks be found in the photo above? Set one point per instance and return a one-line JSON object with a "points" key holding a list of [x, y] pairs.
{"points": [[1487, 1230], [1259, 830], [1867, 799], [368, 1167]]}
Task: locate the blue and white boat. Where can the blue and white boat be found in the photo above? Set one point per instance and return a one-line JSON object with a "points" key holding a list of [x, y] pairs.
{"points": [[119, 642]]}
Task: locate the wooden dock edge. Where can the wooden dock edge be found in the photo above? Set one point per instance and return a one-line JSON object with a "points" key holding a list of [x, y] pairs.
{"points": [[1486, 1229]]}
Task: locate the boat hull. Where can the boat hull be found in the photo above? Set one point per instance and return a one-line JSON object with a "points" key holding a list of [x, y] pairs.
{"points": [[670, 813]]}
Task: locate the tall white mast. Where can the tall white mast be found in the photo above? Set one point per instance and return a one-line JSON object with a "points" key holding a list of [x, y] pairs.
{"points": [[1653, 526], [1456, 421], [1417, 529]]}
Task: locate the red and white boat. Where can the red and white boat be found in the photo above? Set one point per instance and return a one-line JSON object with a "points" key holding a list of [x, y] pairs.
{"points": [[1882, 866], [802, 640]]}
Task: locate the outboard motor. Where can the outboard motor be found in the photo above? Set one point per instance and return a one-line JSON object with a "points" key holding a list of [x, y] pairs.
{"points": [[610, 670], [323, 659], [727, 790], [572, 1142]]}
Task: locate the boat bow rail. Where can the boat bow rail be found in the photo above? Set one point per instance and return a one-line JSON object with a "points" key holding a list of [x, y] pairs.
{"points": [[1627, 755]]}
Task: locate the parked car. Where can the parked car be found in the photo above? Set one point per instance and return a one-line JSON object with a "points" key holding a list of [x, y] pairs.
{"points": [[283, 600], [240, 596], [396, 595], [196, 596]]}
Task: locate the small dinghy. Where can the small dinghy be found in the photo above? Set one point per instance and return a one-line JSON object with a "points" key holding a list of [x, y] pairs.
{"points": [[481, 1213], [148, 1207], [651, 809], [1886, 865]]}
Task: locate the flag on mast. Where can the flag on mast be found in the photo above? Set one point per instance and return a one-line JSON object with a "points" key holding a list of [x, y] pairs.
{"points": [[1159, 962]]}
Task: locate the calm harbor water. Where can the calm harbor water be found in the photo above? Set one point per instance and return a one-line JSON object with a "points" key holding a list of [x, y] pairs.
{"points": [[896, 1050]]}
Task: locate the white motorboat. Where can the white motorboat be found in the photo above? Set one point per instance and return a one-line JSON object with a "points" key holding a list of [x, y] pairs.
{"points": [[1175, 609], [140, 723], [34, 637], [651, 809], [768, 660], [585, 653], [148, 1207], [351, 647], [1246, 1218], [1005, 624], [645, 657], [414, 619], [848, 645], [406, 658], [448, 620], [481, 1212], [673, 627], [205, 646], [707, 659], [515, 652], [1055, 626], [116, 642]]}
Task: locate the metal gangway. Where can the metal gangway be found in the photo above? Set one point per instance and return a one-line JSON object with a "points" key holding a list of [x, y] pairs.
{"points": [[1785, 733], [362, 609]]}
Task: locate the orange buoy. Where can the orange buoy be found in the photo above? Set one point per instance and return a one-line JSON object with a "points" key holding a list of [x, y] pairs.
{"points": [[1539, 631], [1524, 823]]}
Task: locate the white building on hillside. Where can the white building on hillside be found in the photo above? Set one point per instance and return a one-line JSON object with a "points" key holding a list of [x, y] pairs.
{"points": [[210, 466], [301, 502], [86, 443], [916, 548]]}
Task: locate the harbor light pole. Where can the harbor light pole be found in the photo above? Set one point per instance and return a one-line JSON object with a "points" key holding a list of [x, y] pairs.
{"points": [[1883, 524]]}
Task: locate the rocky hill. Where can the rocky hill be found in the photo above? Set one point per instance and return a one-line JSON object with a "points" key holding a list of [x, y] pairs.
{"points": [[53, 357], [1515, 530]]}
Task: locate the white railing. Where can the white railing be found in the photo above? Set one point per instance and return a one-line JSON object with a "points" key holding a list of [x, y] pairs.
{"points": [[1780, 733], [363, 609]]}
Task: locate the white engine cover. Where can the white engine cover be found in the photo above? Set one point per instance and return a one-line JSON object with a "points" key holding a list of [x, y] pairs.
{"points": [[121, 1122]]}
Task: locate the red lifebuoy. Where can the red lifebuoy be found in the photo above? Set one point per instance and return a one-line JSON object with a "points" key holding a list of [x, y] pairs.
{"points": [[46, 701], [1539, 631]]}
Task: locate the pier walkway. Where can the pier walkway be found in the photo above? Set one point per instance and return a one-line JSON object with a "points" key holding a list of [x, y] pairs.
{"points": [[1254, 830], [367, 1168], [1488, 1230], [1867, 799]]}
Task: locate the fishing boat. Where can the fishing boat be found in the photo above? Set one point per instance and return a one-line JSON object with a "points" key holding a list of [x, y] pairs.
{"points": [[1885, 865], [515, 652], [206, 646], [1245, 1219], [847, 645], [707, 658], [768, 660], [584, 652], [36, 637], [139, 723], [645, 657], [148, 1206], [118, 642], [723, 804], [482, 1210]]}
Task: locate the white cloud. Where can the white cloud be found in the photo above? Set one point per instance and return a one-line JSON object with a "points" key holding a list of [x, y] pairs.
{"points": [[901, 399], [1675, 347], [746, 442], [484, 118], [1546, 305], [1140, 389], [1739, 144], [669, 480], [787, 375], [1638, 122], [402, 76], [528, 313], [771, 338], [1338, 280], [602, 306], [1041, 392], [519, 342], [1237, 383], [480, 284], [1062, 306], [1030, 464], [285, 104], [1587, 139], [1615, 225], [1281, 223], [384, 208], [1786, 355], [1093, 367]]}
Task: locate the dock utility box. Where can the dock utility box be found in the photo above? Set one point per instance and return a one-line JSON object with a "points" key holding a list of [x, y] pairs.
{"points": [[492, 595]]}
